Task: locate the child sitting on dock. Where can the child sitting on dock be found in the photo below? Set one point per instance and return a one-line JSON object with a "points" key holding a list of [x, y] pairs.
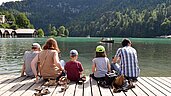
{"points": [[73, 67], [101, 64], [28, 57]]}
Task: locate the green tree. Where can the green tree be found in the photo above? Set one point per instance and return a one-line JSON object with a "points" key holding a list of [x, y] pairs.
{"points": [[22, 21], [66, 32], [53, 31], [40, 32], [61, 31]]}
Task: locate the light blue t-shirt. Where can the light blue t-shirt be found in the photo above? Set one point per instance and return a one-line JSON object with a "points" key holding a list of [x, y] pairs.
{"points": [[101, 66], [28, 57]]}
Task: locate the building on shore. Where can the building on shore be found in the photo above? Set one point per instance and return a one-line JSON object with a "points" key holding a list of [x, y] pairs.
{"points": [[2, 19], [19, 33]]}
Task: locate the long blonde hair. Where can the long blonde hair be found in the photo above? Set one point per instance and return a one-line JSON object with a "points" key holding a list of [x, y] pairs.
{"points": [[51, 44]]}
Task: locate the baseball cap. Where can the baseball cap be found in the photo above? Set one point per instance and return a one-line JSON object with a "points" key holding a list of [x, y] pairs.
{"points": [[100, 48], [36, 45], [73, 53]]}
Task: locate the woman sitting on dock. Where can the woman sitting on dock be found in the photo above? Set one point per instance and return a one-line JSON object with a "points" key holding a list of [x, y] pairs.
{"points": [[48, 59]]}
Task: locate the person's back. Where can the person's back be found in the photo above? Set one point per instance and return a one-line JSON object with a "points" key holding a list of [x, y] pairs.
{"points": [[100, 64], [28, 57], [129, 62], [48, 68], [127, 56], [48, 59], [73, 67]]}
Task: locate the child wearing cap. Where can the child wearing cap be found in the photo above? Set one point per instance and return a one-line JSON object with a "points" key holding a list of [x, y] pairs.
{"points": [[28, 57], [73, 67], [101, 64]]}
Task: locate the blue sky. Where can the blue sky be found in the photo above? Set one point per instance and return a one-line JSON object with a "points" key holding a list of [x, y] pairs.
{"points": [[1, 1]]}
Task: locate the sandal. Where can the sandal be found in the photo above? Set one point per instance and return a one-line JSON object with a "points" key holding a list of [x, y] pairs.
{"points": [[83, 78], [51, 83], [63, 80], [45, 92]]}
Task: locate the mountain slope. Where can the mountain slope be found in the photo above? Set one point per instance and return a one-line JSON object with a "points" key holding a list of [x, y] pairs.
{"points": [[91, 17]]}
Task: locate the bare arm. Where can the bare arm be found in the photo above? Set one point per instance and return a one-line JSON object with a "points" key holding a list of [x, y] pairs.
{"points": [[93, 68], [116, 59], [33, 65], [23, 70], [108, 66], [56, 61]]}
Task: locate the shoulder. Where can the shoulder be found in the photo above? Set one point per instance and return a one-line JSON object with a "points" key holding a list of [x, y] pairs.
{"points": [[78, 62], [107, 58], [94, 59], [27, 52]]}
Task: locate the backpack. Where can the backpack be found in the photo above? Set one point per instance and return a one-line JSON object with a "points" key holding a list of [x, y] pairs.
{"points": [[109, 78]]}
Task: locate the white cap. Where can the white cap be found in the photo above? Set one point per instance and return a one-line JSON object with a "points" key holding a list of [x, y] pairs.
{"points": [[36, 45], [73, 53]]}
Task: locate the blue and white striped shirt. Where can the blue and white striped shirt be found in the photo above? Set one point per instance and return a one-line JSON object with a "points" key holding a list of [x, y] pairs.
{"points": [[129, 61]]}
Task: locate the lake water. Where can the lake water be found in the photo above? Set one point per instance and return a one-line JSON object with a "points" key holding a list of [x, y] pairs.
{"points": [[153, 53]]}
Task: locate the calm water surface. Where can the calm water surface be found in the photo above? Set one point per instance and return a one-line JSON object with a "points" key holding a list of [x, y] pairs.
{"points": [[153, 53]]}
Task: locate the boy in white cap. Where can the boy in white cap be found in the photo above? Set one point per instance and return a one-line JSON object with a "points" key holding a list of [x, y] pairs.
{"points": [[73, 67], [28, 57]]}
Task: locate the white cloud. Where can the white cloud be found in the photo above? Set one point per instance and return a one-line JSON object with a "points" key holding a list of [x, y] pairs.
{"points": [[1, 1]]}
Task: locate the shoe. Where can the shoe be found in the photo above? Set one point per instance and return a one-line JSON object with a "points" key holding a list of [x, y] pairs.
{"points": [[130, 86]]}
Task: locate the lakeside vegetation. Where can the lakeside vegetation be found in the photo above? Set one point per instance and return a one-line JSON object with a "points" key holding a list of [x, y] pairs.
{"points": [[107, 18]]}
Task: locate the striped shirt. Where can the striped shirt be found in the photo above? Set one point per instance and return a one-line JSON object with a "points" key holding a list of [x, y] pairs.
{"points": [[129, 61]]}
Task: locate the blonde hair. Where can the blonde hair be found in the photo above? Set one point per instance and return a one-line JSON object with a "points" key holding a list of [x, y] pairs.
{"points": [[51, 44]]}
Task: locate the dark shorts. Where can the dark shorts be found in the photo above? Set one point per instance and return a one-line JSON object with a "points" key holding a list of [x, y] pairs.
{"points": [[97, 78]]}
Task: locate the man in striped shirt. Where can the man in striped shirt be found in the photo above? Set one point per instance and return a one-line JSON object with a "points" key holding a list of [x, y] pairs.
{"points": [[127, 56]]}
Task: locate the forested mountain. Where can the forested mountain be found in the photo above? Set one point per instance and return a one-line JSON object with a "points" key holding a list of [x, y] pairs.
{"points": [[125, 18]]}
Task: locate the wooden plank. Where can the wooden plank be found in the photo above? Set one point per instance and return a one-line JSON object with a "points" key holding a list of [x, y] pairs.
{"points": [[58, 92], [95, 88], [87, 88], [8, 81], [6, 78], [144, 89], [162, 87], [152, 87], [119, 94], [105, 91], [79, 90], [11, 84], [169, 78], [20, 88], [164, 81], [149, 87], [31, 90], [3, 77], [71, 90], [157, 86], [130, 93], [137, 90], [51, 89]]}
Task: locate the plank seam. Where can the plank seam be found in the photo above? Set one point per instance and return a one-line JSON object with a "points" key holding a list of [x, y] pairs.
{"points": [[146, 87], [154, 87]]}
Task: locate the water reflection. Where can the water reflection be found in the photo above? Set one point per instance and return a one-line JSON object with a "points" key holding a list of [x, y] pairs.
{"points": [[154, 56]]}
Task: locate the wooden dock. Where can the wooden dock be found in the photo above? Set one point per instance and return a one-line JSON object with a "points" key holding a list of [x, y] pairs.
{"points": [[13, 85]]}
